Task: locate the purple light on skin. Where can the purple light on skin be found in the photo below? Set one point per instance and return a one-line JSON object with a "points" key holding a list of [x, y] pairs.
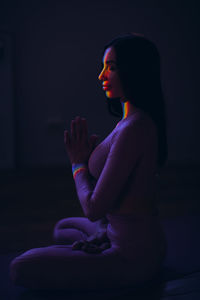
{"points": [[76, 168]]}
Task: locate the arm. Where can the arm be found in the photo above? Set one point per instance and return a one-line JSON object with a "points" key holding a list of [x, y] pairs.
{"points": [[127, 148]]}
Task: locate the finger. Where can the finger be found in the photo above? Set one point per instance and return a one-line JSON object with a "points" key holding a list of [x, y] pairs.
{"points": [[91, 238], [73, 130], [78, 128], [84, 128], [105, 246], [77, 245], [66, 138], [87, 245], [95, 242]]}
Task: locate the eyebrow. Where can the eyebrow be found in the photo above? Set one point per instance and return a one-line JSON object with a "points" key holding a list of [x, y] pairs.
{"points": [[110, 61]]}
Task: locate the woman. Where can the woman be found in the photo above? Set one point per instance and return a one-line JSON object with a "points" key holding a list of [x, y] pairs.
{"points": [[120, 241]]}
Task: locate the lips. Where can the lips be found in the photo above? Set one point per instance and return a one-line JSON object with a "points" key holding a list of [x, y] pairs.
{"points": [[106, 87]]}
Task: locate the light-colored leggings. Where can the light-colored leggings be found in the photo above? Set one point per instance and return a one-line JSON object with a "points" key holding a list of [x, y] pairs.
{"points": [[59, 267]]}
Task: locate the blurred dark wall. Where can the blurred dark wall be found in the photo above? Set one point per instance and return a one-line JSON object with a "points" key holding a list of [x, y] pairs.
{"points": [[57, 47]]}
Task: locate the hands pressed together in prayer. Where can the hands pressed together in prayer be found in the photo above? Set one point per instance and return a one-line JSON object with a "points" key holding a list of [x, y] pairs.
{"points": [[79, 146], [96, 243]]}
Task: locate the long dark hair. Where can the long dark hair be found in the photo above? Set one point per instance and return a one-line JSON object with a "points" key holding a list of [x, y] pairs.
{"points": [[138, 63]]}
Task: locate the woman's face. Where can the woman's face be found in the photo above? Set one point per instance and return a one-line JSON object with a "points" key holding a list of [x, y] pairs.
{"points": [[109, 75]]}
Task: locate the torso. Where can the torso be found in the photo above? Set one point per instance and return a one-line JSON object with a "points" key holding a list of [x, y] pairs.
{"points": [[140, 193]]}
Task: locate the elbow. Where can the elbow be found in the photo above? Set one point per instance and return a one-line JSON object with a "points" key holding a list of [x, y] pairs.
{"points": [[90, 214], [93, 211]]}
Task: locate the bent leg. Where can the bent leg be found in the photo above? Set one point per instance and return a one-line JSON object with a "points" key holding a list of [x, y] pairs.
{"points": [[69, 230], [60, 267]]}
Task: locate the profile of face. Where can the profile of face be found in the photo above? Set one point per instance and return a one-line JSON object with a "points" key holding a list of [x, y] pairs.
{"points": [[109, 75]]}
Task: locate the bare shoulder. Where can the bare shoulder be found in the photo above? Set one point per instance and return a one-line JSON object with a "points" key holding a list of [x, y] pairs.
{"points": [[139, 126], [136, 121]]}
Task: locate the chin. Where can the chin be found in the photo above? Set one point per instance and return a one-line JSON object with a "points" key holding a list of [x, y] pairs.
{"points": [[110, 95]]}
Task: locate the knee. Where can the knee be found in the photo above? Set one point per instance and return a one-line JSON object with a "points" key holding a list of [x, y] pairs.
{"points": [[13, 271], [16, 271], [70, 222], [21, 268], [63, 223], [60, 225]]}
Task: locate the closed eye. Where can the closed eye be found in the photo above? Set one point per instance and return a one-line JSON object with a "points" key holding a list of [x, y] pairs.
{"points": [[109, 66]]}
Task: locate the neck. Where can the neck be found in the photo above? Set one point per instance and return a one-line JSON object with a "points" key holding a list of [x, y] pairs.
{"points": [[127, 108]]}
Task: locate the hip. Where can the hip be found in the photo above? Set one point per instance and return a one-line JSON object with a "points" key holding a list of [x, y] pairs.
{"points": [[138, 238]]}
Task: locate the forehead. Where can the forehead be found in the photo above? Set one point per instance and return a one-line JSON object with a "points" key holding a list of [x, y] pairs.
{"points": [[109, 54]]}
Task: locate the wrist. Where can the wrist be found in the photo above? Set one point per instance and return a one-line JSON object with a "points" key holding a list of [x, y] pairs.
{"points": [[78, 163], [78, 167]]}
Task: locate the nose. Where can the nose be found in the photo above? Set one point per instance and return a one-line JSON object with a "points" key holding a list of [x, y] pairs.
{"points": [[102, 76]]}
